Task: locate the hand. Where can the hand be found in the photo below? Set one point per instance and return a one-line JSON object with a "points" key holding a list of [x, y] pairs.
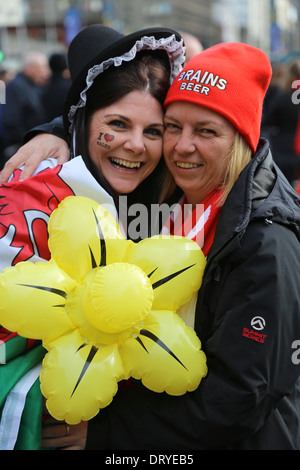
{"points": [[39, 148], [62, 436]]}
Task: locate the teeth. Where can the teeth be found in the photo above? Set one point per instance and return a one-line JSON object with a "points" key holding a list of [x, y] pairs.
{"points": [[187, 165], [125, 163]]}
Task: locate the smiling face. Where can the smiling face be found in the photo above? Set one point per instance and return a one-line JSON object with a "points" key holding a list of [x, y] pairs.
{"points": [[197, 143], [125, 140]]}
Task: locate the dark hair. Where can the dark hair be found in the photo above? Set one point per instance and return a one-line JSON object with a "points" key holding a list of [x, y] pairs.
{"points": [[149, 71]]}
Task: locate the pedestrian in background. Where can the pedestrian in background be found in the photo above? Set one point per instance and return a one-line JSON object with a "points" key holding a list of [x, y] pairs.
{"points": [[23, 109], [280, 120], [193, 45], [53, 98]]}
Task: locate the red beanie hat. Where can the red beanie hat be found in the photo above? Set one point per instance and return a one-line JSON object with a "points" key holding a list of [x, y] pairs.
{"points": [[231, 79]]}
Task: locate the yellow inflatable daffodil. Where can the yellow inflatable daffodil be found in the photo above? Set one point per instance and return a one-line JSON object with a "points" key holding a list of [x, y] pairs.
{"points": [[105, 310]]}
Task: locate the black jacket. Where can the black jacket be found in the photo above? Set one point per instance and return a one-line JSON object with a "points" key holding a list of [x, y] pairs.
{"points": [[279, 125], [250, 398], [23, 109], [54, 96]]}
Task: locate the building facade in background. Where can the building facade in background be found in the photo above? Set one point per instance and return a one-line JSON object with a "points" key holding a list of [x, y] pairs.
{"points": [[49, 25]]}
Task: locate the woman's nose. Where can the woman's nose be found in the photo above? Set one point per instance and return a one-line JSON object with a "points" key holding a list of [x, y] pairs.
{"points": [[185, 143], [135, 142]]}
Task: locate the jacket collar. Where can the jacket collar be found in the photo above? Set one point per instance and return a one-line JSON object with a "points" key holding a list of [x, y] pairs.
{"points": [[249, 192]]}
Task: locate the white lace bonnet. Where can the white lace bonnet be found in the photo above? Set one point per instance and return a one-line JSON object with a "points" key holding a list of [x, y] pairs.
{"points": [[171, 44]]}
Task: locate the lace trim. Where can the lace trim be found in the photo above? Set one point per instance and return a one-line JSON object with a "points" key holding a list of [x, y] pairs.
{"points": [[175, 50]]}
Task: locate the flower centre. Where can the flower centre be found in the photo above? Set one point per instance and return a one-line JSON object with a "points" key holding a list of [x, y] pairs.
{"points": [[119, 296]]}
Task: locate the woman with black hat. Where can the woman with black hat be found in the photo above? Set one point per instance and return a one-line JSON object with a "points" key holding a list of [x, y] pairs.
{"points": [[99, 49], [114, 117]]}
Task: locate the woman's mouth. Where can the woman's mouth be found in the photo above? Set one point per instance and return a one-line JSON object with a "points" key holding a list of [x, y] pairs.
{"points": [[125, 164], [187, 166]]}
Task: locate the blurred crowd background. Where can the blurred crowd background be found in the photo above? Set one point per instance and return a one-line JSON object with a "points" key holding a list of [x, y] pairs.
{"points": [[35, 34]]}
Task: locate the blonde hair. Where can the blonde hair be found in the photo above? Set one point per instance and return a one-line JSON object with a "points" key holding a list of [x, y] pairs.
{"points": [[238, 158]]}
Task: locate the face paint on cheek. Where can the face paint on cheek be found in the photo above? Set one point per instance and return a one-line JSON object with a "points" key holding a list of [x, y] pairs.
{"points": [[107, 138]]}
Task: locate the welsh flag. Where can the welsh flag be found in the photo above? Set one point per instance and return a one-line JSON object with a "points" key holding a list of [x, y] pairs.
{"points": [[20, 396], [25, 208]]}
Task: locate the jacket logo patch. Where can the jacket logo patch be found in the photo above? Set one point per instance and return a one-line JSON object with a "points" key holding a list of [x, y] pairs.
{"points": [[258, 324]]}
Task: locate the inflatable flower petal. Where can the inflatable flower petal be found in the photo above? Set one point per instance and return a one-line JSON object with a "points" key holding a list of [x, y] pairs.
{"points": [[105, 309], [166, 355], [77, 241], [77, 375], [28, 286], [174, 279]]}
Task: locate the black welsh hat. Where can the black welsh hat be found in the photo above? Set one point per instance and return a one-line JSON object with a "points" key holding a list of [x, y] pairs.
{"points": [[97, 47]]}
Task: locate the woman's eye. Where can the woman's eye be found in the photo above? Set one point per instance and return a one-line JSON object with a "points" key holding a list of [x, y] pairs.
{"points": [[117, 123], [153, 131], [207, 131], [170, 126]]}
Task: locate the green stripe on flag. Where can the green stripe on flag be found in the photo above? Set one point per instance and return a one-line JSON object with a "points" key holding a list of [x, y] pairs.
{"points": [[10, 375]]}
